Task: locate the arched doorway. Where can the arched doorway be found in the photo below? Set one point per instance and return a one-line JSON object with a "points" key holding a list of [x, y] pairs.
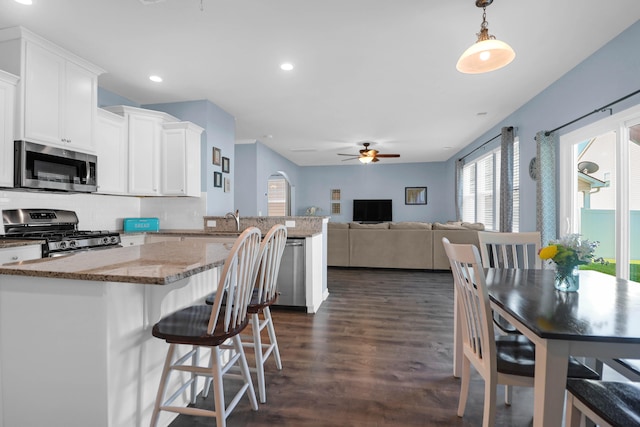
{"points": [[279, 198]]}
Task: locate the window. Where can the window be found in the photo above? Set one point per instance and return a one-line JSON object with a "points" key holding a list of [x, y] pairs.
{"points": [[481, 190]]}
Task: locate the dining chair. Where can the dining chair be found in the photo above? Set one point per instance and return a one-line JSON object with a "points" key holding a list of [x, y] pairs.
{"points": [[606, 403], [509, 250], [503, 359], [264, 296], [216, 327]]}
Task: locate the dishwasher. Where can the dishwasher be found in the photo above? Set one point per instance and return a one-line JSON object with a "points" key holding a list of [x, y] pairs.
{"points": [[291, 277]]}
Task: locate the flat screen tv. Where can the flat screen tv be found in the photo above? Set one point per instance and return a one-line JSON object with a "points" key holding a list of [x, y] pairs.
{"points": [[372, 210]]}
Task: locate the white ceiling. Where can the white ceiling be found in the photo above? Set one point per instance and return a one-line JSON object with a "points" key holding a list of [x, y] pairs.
{"points": [[365, 70]]}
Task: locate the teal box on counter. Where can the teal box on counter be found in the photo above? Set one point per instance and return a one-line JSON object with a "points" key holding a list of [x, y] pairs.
{"points": [[141, 224]]}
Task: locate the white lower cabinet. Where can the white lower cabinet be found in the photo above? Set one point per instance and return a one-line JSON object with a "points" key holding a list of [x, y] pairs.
{"points": [[20, 253], [7, 99]]}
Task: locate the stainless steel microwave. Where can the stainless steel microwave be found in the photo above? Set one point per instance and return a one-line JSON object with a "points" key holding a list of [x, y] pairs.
{"points": [[51, 168]]}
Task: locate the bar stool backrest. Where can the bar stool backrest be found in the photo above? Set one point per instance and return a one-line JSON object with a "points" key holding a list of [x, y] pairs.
{"points": [[236, 282], [271, 250]]}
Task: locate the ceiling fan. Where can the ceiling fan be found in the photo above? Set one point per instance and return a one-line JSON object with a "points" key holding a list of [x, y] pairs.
{"points": [[368, 155]]}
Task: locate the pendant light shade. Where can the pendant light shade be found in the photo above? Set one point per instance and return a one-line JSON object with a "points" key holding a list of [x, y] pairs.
{"points": [[487, 53]]}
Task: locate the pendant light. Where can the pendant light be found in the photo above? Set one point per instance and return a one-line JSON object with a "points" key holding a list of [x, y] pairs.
{"points": [[487, 53]]}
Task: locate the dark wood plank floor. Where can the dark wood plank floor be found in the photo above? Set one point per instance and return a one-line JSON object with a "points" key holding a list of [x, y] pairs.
{"points": [[377, 353]]}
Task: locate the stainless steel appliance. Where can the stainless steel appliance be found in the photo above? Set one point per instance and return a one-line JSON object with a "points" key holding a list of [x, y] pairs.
{"points": [[291, 276], [58, 228], [50, 168]]}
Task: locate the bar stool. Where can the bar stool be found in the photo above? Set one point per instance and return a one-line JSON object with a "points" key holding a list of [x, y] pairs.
{"points": [[264, 296], [607, 403], [216, 327]]}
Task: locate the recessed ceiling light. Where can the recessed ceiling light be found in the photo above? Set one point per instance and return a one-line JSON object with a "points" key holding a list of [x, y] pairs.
{"points": [[27, 2], [156, 79], [287, 66]]}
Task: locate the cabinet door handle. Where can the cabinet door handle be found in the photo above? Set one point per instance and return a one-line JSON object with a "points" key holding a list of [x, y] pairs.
{"points": [[14, 258]]}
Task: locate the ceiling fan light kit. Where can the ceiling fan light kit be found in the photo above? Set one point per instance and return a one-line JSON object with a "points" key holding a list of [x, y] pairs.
{"points": [[487, 53], [368, 155]]}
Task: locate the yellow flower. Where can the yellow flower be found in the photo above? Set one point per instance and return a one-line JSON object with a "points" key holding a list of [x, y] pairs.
{"points": [[548, 252]]}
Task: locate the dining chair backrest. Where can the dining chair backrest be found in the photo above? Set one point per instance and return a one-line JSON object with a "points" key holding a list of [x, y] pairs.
{"points": [[236, 282], [510, 250], [478, 338], [271, 250]]}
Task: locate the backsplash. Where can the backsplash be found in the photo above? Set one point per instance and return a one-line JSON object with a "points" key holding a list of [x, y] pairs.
{"points": [[301, 224]]}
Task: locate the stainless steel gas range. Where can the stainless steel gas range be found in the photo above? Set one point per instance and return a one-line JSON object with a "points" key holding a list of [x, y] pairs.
{"points": [[58, 228]]}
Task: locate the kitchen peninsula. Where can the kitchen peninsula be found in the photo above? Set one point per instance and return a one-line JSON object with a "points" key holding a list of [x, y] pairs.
{"points": [[76, 329]]}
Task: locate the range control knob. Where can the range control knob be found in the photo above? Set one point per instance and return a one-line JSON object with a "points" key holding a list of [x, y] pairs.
{"points": [[114, 239], [62, 245], [73, 244], [105, 240]]}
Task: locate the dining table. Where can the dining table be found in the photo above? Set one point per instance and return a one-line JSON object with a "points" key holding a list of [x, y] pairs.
{"points": [[599, 321]]}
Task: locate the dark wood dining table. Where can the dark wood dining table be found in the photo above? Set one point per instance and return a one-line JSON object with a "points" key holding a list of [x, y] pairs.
{"points": [[601, 320]]}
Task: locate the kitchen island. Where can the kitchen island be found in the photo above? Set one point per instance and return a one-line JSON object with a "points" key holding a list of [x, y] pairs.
{"points": [[75, 331]]}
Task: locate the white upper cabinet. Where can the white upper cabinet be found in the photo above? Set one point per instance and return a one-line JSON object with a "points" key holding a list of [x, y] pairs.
{"points": [[180, 171], [163, 153], [112, 152], [144, 154], [7, 97], [57, 94]]}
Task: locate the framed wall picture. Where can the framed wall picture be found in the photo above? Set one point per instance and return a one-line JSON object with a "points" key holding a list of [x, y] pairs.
{"points": [[217, 155], [415, 195], [225, 164], [227, 185], [217, 179]]}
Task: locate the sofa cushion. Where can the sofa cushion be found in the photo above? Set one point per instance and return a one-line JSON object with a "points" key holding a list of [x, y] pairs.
{"points": [[448, 226], [338, 225], [473, 226], [382, 225], [410, 225]]}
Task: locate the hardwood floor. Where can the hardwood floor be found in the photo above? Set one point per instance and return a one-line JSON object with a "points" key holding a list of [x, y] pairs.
{"points": [[377, 353]]}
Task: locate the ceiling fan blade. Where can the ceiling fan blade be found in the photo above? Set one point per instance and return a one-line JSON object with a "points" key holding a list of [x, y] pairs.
{"points": [[352, 155], [387, 155], [353, 158]]}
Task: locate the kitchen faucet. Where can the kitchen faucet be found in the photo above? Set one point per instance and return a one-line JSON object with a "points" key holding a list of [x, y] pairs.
{"points": [[235, 216]]}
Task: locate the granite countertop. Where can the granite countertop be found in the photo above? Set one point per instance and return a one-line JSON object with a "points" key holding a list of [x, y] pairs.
{"points": [[12, 243], [293, 234], [159, 263]]}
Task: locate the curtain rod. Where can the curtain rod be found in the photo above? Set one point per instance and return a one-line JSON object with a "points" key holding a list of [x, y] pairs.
{"points": [[598, 110], [482, 145]]}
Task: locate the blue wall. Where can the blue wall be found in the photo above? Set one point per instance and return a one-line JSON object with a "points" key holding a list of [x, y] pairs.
{"points": [[107, 98], [256, 162], [378, 181], [609, 74]]}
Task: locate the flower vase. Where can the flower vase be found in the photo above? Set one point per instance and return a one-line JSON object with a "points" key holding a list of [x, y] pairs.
{"points": [[567, 280]]}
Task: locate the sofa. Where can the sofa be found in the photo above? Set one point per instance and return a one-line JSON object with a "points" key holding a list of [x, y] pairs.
{"points": [[408, 245]]}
